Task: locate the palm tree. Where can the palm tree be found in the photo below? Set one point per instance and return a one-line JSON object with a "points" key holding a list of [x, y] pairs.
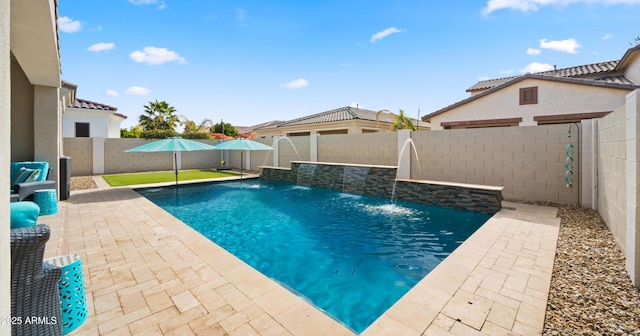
{"points": [[191, 126], [401, 121], [158, 116], [188, 124]]}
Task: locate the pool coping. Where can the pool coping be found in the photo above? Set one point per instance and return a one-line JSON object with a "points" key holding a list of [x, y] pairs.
{"points": [[496, 282]]}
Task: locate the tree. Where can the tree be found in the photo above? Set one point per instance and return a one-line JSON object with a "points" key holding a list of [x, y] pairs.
{"points": [[158, 116], [132, 132], [225, 128], [400, 121], [191, 126]]}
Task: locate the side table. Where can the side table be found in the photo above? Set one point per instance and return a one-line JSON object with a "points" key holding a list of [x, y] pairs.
{"points": [[72, 295], [47, 200]]}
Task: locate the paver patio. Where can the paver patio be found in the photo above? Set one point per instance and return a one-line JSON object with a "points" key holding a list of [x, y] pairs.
{"points": [[147, 273]]}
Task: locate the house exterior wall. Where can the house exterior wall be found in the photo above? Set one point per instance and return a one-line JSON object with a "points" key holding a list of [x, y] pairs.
{"points": [[5, 159], [113, 130], [350, 126], [22, 141], [102, 124], [633, 71], [553, 98]]}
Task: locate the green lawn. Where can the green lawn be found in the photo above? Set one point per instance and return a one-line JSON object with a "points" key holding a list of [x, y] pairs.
{"points": [[157, 177]]}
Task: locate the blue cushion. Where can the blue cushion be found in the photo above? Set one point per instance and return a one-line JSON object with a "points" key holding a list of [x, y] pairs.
{"points": [[24, 214]]}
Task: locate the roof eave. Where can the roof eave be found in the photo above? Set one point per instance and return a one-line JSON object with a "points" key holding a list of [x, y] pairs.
{"points": [[566, 80]]}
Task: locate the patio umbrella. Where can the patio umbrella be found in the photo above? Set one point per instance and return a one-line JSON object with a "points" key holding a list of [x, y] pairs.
{"points": [[174, 144], [242, 144]]}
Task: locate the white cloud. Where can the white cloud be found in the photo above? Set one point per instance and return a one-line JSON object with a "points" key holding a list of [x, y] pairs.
{"points": [[533, 51], [296, 84], [98, 47], [536, 67], [534, 5], [161, 4], [155, 56], [111, 93], [483, 78], [506, 72], [568, 45], [382, 34], [137, 91], [68, 25], [607, 36]]}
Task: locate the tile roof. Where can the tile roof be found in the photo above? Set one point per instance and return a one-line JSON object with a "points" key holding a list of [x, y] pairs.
{"points": [[86, 104], [628, 85], [250, 129], [339, 114], [590, 70]]}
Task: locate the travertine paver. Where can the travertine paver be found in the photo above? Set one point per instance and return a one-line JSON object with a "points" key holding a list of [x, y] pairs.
{"points": [[146, 273]]}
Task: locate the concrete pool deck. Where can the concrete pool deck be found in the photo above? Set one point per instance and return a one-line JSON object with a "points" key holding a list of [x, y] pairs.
{"points": [[147, 273]]}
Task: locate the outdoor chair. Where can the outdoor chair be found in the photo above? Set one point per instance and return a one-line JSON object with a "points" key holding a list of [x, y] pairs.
{"points": [[35, 300], [27, 177]]}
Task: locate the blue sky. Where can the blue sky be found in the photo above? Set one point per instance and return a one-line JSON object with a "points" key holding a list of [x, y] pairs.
{"points": [[248, 62]]}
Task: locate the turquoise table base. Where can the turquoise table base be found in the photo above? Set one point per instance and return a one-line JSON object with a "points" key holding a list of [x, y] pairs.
{"points": [[47, 200], [72, 295]]}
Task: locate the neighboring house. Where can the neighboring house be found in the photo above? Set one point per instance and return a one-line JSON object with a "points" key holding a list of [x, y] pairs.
{"points": [[250, 131], [85, 118], [344, 120], [550, 97]]}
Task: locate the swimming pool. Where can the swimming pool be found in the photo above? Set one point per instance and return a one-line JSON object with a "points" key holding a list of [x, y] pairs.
{"points": [[351, 256]]}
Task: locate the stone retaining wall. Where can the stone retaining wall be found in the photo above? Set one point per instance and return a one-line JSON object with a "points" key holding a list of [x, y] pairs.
{"points": [[380, 181]]}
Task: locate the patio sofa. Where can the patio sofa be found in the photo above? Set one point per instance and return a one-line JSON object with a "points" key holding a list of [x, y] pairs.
{"points": [[27, 177], [35, 300]]}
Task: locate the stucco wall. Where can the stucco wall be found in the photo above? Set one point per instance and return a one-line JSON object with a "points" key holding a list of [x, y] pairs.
{"points": [[612, 170], [553, 98], [369, 148], [528, 161], [633, 71], [98, 127], [80, 150], [618, 190], [5, 159], [22, 145], [291, 149]]}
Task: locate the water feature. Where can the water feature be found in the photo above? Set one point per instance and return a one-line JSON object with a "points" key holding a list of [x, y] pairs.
{"points": [[354, 179], [407, 142], [352, 257], [305, 174], [274, 146]]}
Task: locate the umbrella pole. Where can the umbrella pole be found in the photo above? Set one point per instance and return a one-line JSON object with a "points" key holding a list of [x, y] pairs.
{"points": [[175, 161], [241, 158]]}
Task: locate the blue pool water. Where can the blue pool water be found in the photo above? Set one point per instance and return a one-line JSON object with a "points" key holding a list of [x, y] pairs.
{"points": [[351, 256]]}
